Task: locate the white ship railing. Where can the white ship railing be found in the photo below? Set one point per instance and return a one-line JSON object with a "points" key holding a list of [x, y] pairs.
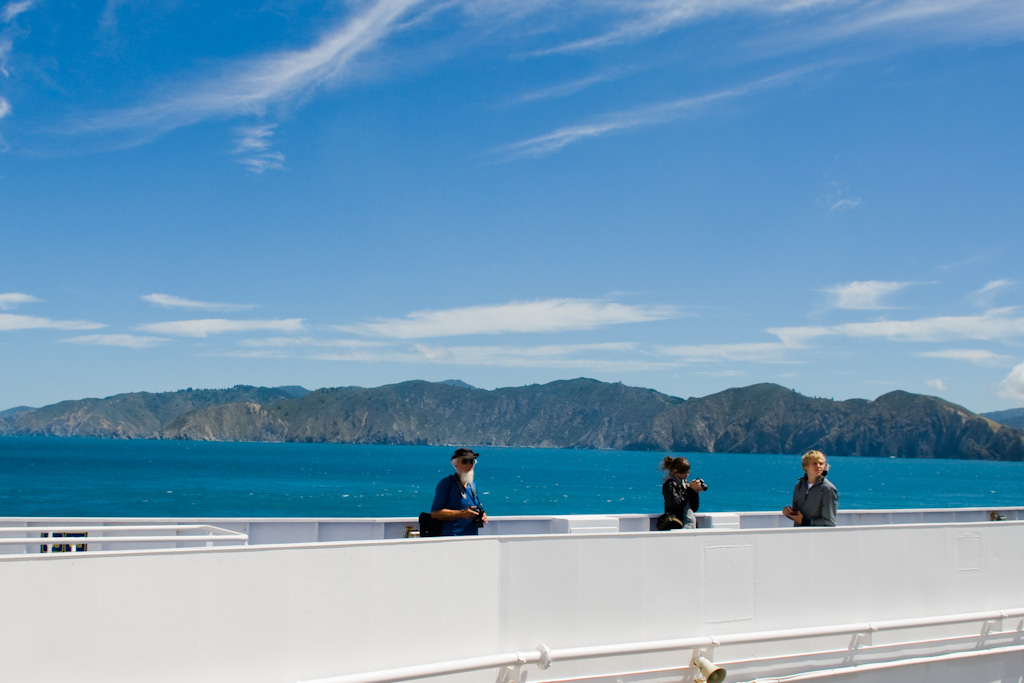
{"points": [[510, 665], [271, 531], [46, 537]]}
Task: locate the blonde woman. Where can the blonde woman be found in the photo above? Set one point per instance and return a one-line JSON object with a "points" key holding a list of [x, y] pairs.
{"points": [[815, 498]]}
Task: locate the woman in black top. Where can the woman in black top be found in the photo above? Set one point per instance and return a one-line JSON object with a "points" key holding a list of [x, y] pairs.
{"points": [[682, 498]]}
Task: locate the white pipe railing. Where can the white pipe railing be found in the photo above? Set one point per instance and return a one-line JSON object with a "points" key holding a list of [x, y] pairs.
{"points": [[879, 666], [45, 535], [543, 657]]}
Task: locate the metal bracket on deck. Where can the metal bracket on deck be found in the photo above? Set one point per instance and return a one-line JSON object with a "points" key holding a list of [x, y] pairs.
{"points": [[513, 673], [864, 638], [992, 626]]}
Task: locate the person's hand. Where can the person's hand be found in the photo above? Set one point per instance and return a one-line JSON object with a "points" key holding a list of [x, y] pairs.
{"points": [[469, 513], [483, 518], [695, 485], [787, 511]]}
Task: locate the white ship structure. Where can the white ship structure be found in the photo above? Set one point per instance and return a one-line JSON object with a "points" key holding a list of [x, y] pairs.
{"points": [[914, 596]]}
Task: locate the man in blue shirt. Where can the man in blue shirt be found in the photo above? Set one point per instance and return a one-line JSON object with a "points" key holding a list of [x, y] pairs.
{"points": [[455, 500]]}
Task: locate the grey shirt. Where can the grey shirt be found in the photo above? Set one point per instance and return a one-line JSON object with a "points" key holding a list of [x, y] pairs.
{"points": [[818, 503]]}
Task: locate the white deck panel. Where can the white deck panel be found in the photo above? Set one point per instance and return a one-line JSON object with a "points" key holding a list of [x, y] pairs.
{"points": [[287, 612]]}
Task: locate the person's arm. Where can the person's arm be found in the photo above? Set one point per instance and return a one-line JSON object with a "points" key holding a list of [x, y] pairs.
{"points": [[673, 494], [692, 497], [793, 511], [447, 515], [439, 509]]}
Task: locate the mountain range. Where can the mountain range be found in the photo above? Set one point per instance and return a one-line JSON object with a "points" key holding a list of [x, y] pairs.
{"points": [[578, 413]]}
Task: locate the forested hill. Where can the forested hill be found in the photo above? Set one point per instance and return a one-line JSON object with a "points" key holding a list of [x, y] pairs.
{"points": [[579, 413]]}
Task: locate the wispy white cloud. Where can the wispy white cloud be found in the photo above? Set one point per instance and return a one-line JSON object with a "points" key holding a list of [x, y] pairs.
{"points": [[608, 356], [995, 325], [13, 9], [131, 341], [845, 205], [15, 299], [807, 21], [931, 19], [863, 295], [836, 197], [985, 296], [591, 357], [1012, 387], [633, 21], [763, 352], [253, 149], [5, 106], [565, 89], [313, 342], [170, 301], [249, 87], [656, 114], [936, 385], [5, 51], [976, 356], [9, 322], [203, 328], [550, 315], [108, 19]]}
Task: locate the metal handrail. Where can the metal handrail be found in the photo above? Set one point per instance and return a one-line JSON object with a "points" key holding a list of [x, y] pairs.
{"points": [[544, 656], [213, 534]]}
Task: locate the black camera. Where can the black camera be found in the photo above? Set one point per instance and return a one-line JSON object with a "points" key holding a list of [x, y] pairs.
{"points": [[701, 484], [479, 521]]}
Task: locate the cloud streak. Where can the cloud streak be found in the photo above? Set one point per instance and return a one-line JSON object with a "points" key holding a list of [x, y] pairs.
{"points": [[823, 20], [863, 295], [550, 315], [253, 149], [13, 9], [171, 301], [130, 341], [656, 114], [976, 356], [996, 325], [251, 86], [10, 322], [15, 299], [206, 327]]}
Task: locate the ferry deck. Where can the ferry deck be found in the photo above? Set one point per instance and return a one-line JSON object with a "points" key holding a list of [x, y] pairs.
{"points": [[888, 595]]}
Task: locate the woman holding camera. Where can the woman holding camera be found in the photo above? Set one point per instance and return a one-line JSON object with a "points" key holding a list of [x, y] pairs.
{"points": [[815, 498], [682, 498]]}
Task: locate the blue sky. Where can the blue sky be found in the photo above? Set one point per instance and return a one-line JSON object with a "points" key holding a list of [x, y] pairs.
{"points": [[685, 195]]}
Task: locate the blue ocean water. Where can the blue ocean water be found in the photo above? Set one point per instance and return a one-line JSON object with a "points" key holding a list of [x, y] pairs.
{"points": [[44, 476]]}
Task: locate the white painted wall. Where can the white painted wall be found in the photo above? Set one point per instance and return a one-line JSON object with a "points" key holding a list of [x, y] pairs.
{"points": [[285, 613]]}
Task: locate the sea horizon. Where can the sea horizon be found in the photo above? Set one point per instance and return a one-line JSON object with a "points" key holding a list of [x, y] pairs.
{"points": [[86, 477]]}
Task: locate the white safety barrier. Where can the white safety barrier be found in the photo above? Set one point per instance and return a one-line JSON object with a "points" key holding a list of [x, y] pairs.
{"points": [[44, 538], [511, 663]]}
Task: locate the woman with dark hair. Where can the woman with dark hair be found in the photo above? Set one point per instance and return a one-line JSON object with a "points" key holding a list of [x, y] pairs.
{"points": [[682, 498]]}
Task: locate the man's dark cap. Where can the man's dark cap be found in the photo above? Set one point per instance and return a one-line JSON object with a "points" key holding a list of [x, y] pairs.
{"points": [[465, 453]]}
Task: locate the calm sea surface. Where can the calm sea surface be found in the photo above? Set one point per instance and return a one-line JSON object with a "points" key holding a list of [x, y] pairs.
{"points": [[42, 476]]}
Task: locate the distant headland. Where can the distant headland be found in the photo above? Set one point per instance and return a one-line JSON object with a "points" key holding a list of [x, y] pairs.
{"points": [[578, 413]]}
